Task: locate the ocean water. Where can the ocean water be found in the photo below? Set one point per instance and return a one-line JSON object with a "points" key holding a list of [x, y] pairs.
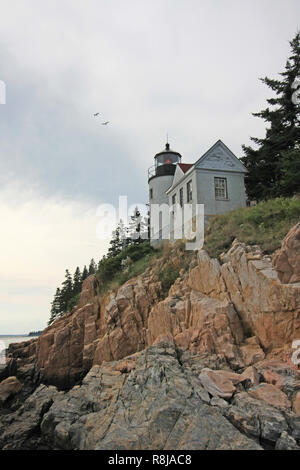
{"points": [[5, 341]]}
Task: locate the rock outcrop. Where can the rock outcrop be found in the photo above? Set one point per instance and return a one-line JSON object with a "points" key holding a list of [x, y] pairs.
{"points": [[212, 307], [247, 279], [287, 259], [207, 366], [159, 398]]}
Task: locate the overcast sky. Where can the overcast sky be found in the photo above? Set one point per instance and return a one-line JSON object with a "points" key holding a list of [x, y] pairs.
{"points": [[189, 68]]}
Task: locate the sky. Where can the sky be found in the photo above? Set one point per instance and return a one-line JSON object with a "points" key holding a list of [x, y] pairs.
{"points": [[187, 68]]}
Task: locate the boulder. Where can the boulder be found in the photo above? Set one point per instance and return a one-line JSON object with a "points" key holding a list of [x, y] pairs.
{"points": [[20, 430], [271, 395], [286, 442], [219, 383], [8, 387], [258, 419], [251, 351], [251, 374]]}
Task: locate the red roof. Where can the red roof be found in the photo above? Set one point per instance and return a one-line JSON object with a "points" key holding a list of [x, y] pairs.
{"points": [[185, 166]]}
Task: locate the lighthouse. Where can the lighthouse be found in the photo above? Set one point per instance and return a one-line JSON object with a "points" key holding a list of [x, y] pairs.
{"points": [[160, 178]]}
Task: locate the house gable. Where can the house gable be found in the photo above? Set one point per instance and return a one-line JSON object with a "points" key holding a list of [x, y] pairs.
{"points": [[219, 157], [181, 170]]}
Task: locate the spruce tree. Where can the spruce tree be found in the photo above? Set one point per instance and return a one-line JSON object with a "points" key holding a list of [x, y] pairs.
{"points": [[138, 228], [290, 169], [85, 274], [116, 243], [55, 307], [66, 292], [268, 164], [92, 267], [77, 281]]}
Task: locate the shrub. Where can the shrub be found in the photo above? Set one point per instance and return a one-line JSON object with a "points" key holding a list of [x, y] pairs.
{"points": [[114, 271]]}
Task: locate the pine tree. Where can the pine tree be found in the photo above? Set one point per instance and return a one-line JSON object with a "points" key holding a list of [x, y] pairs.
{"points": [[138, 227], [85, 274], [66, 292], [55, 307], [117, 242], [290, 169], [77, 281], [92, 267], [266, 164]]}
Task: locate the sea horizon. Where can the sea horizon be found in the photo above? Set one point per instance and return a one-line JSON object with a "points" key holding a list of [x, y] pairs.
{"points": [[6, 340]]}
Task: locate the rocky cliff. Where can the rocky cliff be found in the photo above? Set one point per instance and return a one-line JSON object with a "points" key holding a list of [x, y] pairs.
{"points": [[206, 367]]}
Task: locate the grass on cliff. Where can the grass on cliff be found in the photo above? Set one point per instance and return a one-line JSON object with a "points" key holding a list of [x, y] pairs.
{"points": [[132, 261], [167, 263], [265, 224]]}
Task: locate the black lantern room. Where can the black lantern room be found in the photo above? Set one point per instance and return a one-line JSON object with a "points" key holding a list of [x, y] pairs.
{"points": [[165, 162]]}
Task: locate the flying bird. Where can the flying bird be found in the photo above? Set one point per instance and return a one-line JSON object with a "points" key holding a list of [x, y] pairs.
{"points": [[96, 114], [104, 123]]}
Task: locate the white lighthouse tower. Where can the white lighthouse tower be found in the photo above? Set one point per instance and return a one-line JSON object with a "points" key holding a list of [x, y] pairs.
{"points": [[160, 178]]}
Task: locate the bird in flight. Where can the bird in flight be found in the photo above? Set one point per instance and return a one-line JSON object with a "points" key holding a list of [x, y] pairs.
{"points": [[104, 123], [96, 114]]}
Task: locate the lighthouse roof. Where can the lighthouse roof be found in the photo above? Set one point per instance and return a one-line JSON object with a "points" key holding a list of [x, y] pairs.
{"points": [[167, 150]]}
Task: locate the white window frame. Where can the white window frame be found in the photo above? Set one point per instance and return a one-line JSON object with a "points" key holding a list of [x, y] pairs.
{"points": [[189, 191], [181, 197], [221, 189]]}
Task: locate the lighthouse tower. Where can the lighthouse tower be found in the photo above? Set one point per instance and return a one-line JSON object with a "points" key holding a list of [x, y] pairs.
{"points": [[160, 178]]}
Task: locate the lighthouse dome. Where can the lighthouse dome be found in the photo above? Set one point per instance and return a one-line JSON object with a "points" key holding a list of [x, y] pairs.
{"points": [[167, 157]]}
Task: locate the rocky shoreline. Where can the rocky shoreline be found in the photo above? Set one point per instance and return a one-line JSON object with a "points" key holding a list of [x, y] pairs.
{"points": [[208, 367]]}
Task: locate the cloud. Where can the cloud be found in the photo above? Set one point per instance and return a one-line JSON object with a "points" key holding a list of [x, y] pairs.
{"points": [[39, 239]]}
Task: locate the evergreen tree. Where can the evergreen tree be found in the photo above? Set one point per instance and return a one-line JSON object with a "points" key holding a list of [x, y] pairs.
{"points": [[290, 169], [77, 281], [55, 307], [138, 228], [66, 292], [118, 240], [92, 267], [268, 163], [85, 274]]}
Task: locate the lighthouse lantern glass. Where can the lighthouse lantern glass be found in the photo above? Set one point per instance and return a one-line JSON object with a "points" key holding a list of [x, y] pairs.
{"points": [[167, 159]]}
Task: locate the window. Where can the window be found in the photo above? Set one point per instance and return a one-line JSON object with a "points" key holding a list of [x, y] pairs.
{"points": [[221, 188], [151, 193], [181, 197], [189, 191], [174, 200]]}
